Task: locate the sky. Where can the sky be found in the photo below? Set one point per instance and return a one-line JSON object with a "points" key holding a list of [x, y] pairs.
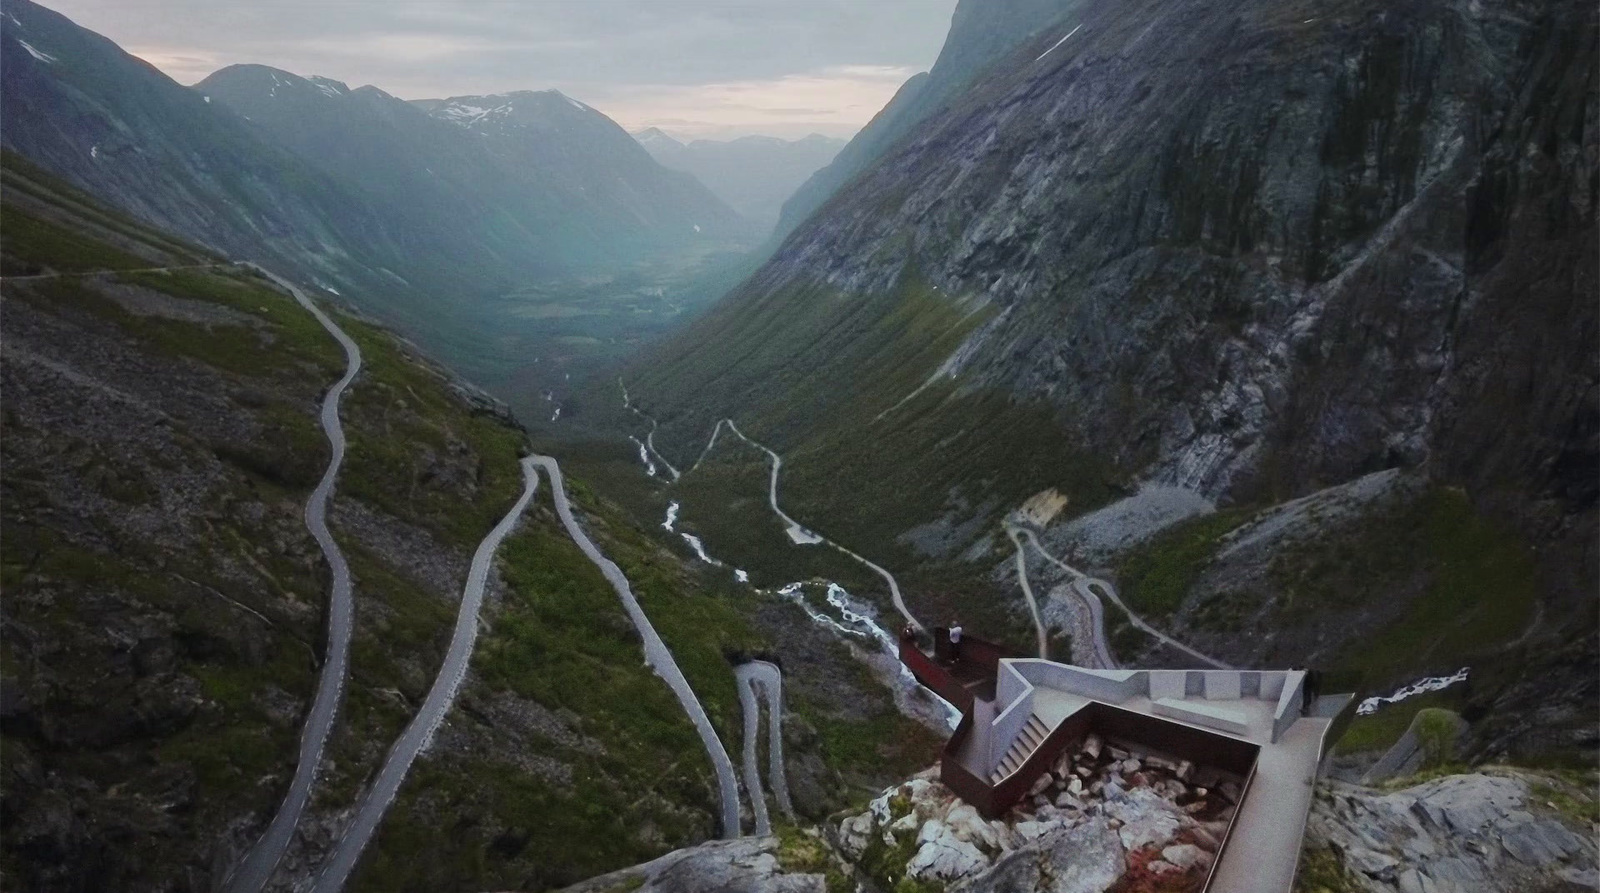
{"points": [[695, 68]]}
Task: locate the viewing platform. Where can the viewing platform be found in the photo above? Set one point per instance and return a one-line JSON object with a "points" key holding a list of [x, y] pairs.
{"points": [[1257, 734]]}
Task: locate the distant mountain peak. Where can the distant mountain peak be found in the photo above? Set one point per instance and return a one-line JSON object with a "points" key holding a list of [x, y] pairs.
{"points": [[255, 77], [655, 138]]}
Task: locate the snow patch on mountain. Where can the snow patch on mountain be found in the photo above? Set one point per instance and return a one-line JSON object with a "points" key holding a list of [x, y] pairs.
{"points": [[42, 57]]}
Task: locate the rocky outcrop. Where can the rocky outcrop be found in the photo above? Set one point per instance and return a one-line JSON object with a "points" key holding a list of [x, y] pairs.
{"points": [[1479, 833], [745, 865], [1078, 831]]}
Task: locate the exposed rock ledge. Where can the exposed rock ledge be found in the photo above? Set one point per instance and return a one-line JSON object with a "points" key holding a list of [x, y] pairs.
{"points": [[1458, 834]]}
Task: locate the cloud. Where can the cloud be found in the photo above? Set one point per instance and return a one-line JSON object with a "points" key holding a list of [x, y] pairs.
{"points": [[834, 101], [828, 61]]}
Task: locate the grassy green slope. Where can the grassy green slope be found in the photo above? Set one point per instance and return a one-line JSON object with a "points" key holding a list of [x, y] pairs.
{"points": [[158, 652]]}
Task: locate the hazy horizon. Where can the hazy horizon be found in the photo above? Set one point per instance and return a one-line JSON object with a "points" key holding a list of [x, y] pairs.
{"points": [[696, 69]]}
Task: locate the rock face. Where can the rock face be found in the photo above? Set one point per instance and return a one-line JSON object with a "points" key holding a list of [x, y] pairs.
{"points": [[1248, 254], [1066, 838], [745, 865], [1459, 833]]}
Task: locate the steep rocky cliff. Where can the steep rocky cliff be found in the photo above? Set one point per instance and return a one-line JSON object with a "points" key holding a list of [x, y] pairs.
{"points": [[1249, 252], [980, 35]]}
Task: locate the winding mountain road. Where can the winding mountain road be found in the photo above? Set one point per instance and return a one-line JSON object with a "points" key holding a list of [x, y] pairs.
{"points": [[650, 437], [656, 654], [799, 533], [252, 874], [1027, 592], [61, 273], [1085, 585], [419, 732], [768, 679]]}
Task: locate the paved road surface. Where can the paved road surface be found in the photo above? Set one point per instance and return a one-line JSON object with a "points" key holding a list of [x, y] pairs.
{"points": [[772, 499], [58, 275], [768, 679], [1086, 585], [1027, 591], [656, 654], [649, 438], [419, 732], [252, 874]]}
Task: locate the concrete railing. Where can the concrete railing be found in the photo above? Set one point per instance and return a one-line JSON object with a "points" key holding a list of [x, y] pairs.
{"points": [[1114, 686], [1290, 703], [1008, 725]]}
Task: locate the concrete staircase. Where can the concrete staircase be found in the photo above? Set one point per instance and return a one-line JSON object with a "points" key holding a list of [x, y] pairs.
{"points": [[1028, 741]]}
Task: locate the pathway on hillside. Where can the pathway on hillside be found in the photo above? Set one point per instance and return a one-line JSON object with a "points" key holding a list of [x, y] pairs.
{"points": [[798, 532], [656, 654], [1027, 592], [252, 874], [768, 679], [60, 273], [650, 437], [1085, 585], [419, 732]]}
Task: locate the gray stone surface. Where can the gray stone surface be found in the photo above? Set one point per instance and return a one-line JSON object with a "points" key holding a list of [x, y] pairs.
{"points": [[1459, 834]]}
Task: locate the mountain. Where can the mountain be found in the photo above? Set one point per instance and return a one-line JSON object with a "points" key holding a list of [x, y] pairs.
{"points": [[165, 603], [981, 33], [568, 145], [654, 141], [78, 106], [753, 174], [456, 229], [1363, 241]]}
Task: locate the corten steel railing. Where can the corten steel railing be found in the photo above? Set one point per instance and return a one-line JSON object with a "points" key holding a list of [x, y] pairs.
{"points": [[1210, 748], [973, 651], [935, 676], [1227, 835], [958, 778]]}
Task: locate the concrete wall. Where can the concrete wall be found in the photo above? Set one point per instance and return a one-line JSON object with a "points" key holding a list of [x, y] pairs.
{"points": [[1111, 686], [1009, 684], [1289, 703], [1272, 684], [1168, 684], [1223, 685], [1007, 726]]}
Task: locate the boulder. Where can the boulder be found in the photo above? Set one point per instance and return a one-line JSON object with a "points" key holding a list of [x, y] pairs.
{"points": [[855, 832], [1186, 855], [1538, 843], [966, 824], [1147, 819], [942, 856]]}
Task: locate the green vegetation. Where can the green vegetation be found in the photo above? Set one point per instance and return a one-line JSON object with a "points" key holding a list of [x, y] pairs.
{"points": [[29, 239], [1573, 793], [872, 444], [1126, 640], [1436, 732], [561, 639], [405, 427], [802, 852], [1481, 590], [1453, 583], [1155, 577], [1322, 871], [1379, 731]]}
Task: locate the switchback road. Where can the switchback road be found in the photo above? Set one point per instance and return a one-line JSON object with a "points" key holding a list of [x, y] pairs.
{"points": [[417, 735], [656, 654], [252, 874]]}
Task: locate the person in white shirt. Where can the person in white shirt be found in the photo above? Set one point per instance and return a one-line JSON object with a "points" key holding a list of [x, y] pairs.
{"points": [[955, 639]]}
